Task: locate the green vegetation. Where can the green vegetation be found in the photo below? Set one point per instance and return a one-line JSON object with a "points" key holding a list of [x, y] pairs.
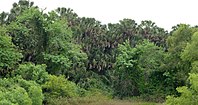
{"points": [[59, 58]]}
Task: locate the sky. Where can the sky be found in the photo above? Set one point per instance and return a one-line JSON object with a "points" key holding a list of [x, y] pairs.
{"points": [[165, 13]]}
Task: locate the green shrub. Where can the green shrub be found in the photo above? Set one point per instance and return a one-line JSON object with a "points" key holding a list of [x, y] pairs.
{"points": [[33, 89], [19, 95], [189, 96], [15, 95], [58, 86], [32, 72], [95, 83], [20, 92], [6, 102], [35, 93]]}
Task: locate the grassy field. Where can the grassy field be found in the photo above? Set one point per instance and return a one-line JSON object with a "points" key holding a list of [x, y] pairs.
{"points": [[119, 102], [114, 102], [100, 101], [105, 102]]}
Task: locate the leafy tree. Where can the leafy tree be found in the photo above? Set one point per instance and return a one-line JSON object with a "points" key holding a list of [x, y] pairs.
{"points": [[135, 68], [3, 17], [179, 38], [61, 51], [127, 73], [191, 49], [62, 55], [101, 41], [188, 95], [91, 34], [18, 9], [46, 38], [9, 55], [58, 47], [149, 30], [70, 16], [28, 33], [176, 69]]}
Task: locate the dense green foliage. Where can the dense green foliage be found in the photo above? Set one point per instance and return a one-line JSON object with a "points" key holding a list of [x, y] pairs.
{"points": [[52, 58], [188, 93], [138, 69], [9, 55], [20, 92]]}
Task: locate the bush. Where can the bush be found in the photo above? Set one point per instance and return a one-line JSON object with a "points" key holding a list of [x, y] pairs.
{"points": [[96, 82], [32, 72], [58, 86], [36, 95], [33, 89], [20, 92], [189, 96], [6, 102], [15, 95]]}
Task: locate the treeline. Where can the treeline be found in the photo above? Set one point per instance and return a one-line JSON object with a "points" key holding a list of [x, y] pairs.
{"points": [[49, 58]]}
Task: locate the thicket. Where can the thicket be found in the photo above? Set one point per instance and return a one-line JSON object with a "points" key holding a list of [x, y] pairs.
{"points": [[51, 58]]}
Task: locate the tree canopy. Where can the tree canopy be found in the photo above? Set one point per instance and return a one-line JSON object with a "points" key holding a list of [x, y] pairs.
{"points": [[49, 58]]}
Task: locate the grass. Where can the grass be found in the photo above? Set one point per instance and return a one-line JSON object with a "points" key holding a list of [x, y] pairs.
{"points": [[113, 102], [100, 99], [91, 101], [120, 102], [107, 101]]}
